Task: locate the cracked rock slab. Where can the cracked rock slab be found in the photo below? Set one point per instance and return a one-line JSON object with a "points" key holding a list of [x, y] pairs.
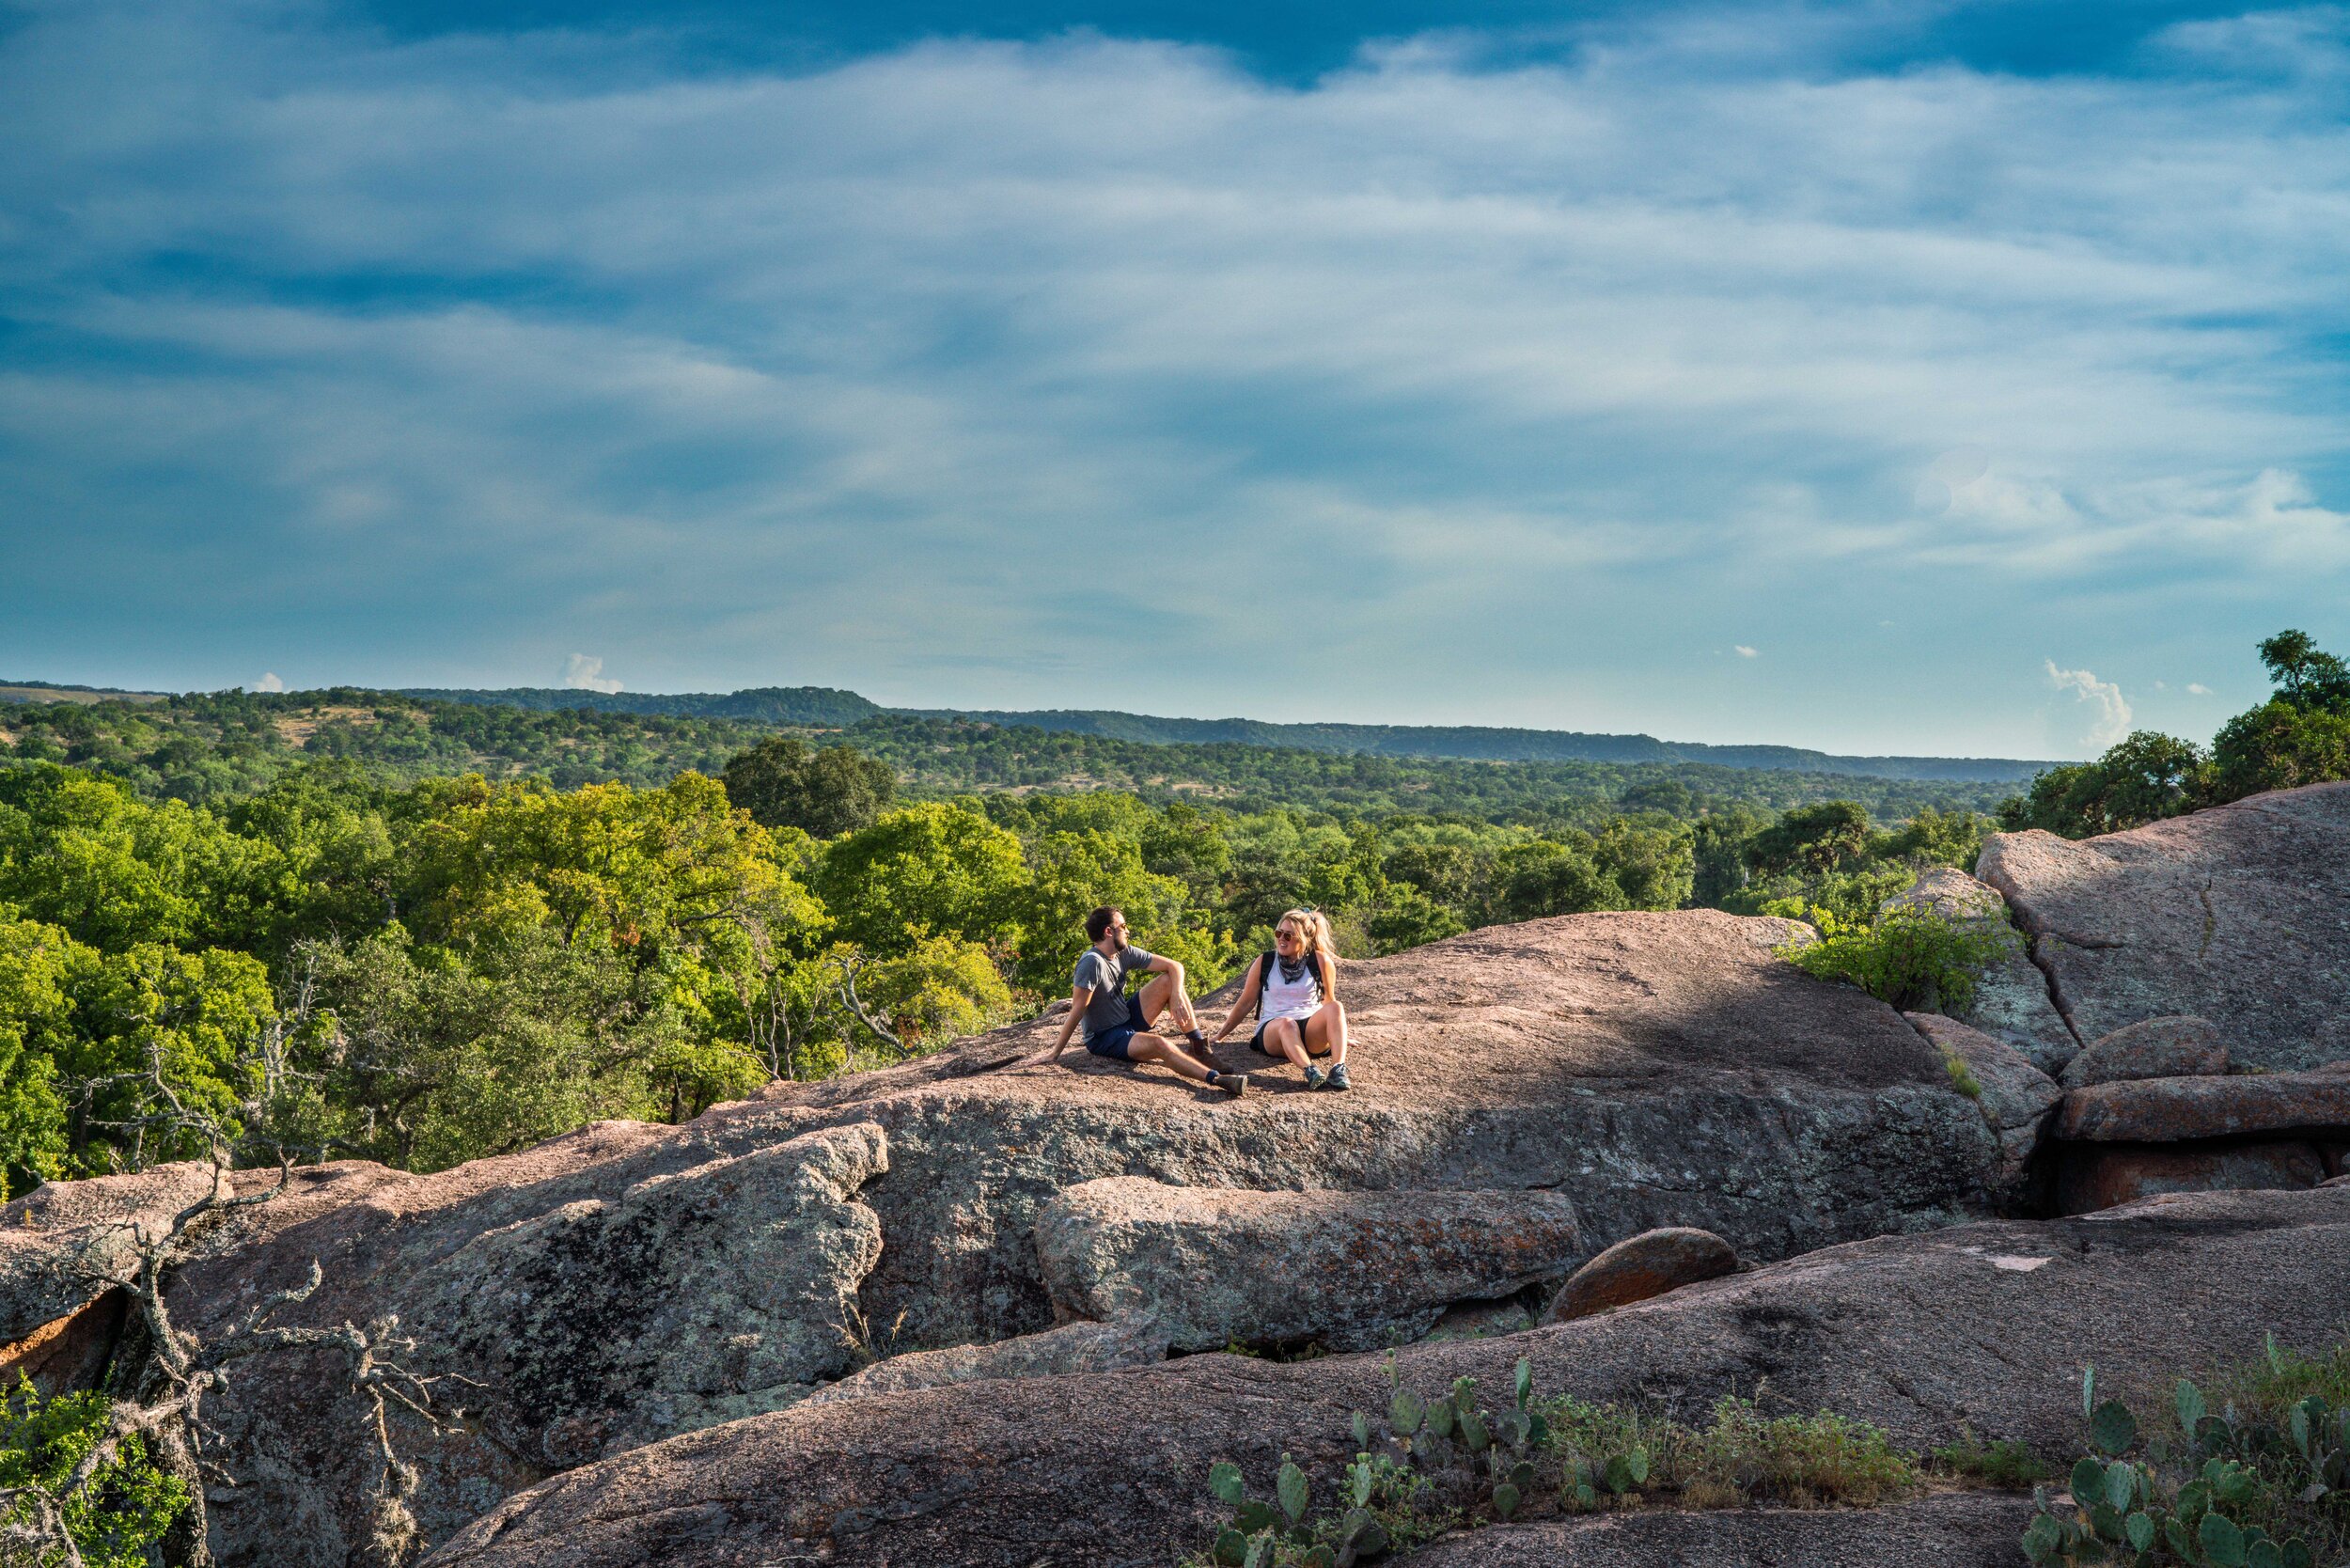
{"points": [[1074, 1347], [2017, 1100], [2239, 914], [1350, 1270]]}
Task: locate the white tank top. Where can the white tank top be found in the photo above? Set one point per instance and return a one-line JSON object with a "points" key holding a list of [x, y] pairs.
{"points": [[1283, 999]]}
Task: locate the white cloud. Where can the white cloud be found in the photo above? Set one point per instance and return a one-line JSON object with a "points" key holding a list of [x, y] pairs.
{"points": [[268, 683], [2107, 711], [857, 370], [2199, 688], [1743, 651], [582, 673]]}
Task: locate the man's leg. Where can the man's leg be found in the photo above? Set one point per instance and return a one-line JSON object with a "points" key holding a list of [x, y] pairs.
{"points": [[1325, 1030], [1165, 993]]}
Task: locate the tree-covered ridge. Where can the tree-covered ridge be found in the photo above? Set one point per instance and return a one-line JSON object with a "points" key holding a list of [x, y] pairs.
{"points": [[830, 708], [212, 748], [2300, 735]]}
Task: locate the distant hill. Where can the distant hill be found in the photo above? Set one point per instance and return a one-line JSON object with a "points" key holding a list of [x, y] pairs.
{"points": [[1475, 743], [830, 708], [49, 691], [816, 707]]}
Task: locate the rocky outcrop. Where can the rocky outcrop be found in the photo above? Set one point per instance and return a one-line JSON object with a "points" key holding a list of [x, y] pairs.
{"points": [[1349, 1270], [2152, 1048], [2093, 1176], [630, 1281], [1983, 1327], [1964, 1529], [2233, 914], [1641, 1267], [2011, 1002], [2170, 1110]]}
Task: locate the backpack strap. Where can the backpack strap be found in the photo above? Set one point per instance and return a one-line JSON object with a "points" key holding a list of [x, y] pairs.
{"points": [[1265, 978]]}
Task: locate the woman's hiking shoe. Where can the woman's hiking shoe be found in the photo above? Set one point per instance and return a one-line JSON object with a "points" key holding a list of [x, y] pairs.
{"points": [[1314, 1076], [1233, 1084], [1339, 1078]]}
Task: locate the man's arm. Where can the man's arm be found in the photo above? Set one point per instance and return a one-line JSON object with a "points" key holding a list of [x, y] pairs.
{"points": [[1079, 998]]}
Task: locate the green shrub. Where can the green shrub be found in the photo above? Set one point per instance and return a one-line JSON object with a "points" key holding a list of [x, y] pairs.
{"points": [[1912, 958], [128, 1503], [1450, 1462], [2003, 1463]]}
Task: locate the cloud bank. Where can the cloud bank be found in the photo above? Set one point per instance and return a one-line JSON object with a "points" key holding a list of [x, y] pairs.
{"points": [[1453, 384]]}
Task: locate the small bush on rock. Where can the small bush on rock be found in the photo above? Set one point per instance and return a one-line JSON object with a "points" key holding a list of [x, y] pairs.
{"points": [[1912, 958], [2003, 1464]]}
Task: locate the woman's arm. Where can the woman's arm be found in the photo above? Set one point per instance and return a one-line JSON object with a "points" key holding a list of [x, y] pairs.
{"points": [[1329, 976], [1249, 989]]}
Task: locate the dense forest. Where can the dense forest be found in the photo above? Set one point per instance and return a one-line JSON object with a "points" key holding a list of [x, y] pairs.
{"points": [[420, 932]]}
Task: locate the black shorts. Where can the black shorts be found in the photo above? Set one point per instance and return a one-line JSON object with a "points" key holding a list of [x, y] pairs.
{"points": [[1256, 1042]]}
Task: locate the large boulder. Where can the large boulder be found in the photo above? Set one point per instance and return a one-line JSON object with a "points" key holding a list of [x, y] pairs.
{"points": [[2150, 1048], [1642, 1267], [1980, 1328], [605, 1289], [2171, 1110], [2011, 1001], [2233, 914], [1350, 1270]]}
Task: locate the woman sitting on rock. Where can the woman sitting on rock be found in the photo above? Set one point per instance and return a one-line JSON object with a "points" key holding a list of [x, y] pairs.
{"points": [[1294, 991]]}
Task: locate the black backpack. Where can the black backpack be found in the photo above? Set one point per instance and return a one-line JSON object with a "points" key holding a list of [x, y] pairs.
{"points": [[1323, 975]]}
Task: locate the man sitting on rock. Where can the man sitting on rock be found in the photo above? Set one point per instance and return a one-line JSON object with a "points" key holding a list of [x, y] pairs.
{"points": [[1116, 1025]]}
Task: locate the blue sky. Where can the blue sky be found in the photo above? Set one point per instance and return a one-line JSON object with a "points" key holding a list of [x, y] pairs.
{"points": [[1887, 378]]}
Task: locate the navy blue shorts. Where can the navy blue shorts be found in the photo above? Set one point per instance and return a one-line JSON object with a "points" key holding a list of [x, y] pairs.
{"points": [[1112, 1042]]}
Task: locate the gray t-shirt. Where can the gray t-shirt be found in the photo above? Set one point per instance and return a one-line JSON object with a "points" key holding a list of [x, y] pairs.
{"points": [[1107, 979]]}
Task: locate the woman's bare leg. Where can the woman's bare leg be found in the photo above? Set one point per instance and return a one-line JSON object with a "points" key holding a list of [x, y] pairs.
{"points": [[1283, 1036], [1326, 1030]]}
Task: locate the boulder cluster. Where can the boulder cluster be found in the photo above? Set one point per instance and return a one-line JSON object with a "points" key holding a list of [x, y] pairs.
{"points": [[972, 1310]]}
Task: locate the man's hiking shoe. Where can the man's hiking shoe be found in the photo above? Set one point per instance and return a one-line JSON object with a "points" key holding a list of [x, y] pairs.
{"points": [[1233, 1084], [1339, 1078], [1314, 1076]]}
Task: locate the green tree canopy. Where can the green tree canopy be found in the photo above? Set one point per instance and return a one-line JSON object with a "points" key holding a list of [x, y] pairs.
{"points": [[827, 792]]}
